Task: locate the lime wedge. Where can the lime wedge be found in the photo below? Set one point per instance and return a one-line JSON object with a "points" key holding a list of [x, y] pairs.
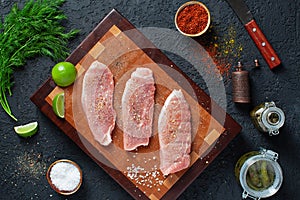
{"points": [[27, 130], [58, 105]]}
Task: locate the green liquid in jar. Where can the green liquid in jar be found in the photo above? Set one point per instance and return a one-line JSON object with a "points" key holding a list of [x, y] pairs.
{"points": [[260, 175], [241, 161]]}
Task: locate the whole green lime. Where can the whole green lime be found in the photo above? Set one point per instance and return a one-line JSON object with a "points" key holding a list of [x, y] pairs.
{"points": [[64, 74]]}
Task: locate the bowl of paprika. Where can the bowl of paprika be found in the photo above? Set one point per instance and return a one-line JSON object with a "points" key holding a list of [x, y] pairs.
{"points": [[192, 19]]}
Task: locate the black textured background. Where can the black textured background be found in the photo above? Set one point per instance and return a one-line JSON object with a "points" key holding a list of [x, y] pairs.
{"points": [[23, 162]]}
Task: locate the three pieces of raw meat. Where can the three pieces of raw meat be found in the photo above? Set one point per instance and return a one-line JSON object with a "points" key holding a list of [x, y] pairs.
{"points": [[174, 123]]}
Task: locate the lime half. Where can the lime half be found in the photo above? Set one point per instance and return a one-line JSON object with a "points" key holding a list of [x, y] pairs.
{"points": [[58, 105], [27, 130]]}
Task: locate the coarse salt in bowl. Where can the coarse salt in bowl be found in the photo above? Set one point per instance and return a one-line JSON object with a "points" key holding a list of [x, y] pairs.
{"points": [[64, 176], [192, 19]]}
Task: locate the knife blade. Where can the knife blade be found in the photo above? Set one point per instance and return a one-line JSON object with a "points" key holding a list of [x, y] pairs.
{"points": [[255, 32]]}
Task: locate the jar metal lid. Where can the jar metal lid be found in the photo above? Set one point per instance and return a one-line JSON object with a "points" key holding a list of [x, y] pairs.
{"points": [[270, 157], [273, 118]]}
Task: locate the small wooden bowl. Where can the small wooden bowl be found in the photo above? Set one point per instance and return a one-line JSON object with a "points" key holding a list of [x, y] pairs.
{"points": [[54, 187], [188, 4]]}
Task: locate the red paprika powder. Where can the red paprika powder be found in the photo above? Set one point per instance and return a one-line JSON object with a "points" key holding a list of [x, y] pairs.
{"points": [[192, 19]]}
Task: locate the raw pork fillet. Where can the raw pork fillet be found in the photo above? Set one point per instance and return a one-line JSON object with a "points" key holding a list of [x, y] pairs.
{"points": [[174, 131], [97, 101], [137, 109]]}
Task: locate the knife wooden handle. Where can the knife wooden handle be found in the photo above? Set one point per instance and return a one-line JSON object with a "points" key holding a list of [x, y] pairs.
{"points": [[262, 44]]}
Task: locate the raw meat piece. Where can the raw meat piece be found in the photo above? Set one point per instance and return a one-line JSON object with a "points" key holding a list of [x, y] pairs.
{"points": [[174, 131], [97, 101], [137, 109]]}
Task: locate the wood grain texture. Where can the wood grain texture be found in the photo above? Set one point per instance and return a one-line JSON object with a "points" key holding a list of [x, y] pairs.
{"points": [[263, 44], [116, 43]]}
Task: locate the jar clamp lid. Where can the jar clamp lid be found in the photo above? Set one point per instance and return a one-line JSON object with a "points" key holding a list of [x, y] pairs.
{"points": [[268, 157], [273, 118], [268, 118]]}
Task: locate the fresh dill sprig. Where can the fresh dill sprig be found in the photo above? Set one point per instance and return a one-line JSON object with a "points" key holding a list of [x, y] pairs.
{"points": [[31, 31]]}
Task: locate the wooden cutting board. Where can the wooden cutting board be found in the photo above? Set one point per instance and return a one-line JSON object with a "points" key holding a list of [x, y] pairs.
{"points": [[116, 43]]}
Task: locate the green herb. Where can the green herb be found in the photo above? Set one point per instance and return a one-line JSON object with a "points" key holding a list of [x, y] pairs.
{"points": [[31, 31]]}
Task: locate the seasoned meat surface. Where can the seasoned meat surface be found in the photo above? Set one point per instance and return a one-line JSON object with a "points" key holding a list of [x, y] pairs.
{"points": [[97, 102], [174, 131], [137, 109]]}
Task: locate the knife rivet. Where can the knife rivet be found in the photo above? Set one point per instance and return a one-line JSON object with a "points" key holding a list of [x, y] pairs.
{"points": [[254, 29], [272, 58], [263, 44]]}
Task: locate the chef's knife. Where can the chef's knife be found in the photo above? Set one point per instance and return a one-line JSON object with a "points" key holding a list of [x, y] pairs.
{"points": [[255, 32]]}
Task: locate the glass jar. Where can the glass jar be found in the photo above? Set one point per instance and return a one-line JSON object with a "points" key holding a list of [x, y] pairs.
{"points": [[259, 174], [268, 118]]}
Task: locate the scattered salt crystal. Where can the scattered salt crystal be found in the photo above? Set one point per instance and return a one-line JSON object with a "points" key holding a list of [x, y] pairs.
{"points": [[154, 174], [144, 177], [65, 176]]}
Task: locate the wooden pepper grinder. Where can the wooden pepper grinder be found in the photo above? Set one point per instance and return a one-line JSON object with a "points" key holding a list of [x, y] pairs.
{"points": [[240, 85]]}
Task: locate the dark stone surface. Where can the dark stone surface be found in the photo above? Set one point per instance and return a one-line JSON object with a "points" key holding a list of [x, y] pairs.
{"points": [[23, 162]]}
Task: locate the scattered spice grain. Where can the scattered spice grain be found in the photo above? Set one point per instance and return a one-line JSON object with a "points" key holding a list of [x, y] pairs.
{"points": [[30, 165], [223, 50]]}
